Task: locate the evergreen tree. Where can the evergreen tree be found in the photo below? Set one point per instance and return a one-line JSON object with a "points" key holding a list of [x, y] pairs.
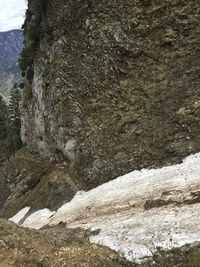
{"points": [[14, 118], [10, 125], [5, 137], [3, 111]]}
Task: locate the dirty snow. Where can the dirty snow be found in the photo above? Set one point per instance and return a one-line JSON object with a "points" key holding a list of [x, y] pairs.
{"points": [[38, 219], [138, 212], [20, 215]]}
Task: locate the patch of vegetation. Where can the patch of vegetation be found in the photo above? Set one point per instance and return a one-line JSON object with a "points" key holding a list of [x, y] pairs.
{"points": [[31, 261], [27, 56], [10, 125], [186, 256], [52, 247], [32, 30]]}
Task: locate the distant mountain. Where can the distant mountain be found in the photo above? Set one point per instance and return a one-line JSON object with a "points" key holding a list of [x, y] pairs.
{"points": [[11, 44]]}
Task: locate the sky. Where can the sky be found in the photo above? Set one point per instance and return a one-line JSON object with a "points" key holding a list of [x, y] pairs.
{"points": [[12, 14]]}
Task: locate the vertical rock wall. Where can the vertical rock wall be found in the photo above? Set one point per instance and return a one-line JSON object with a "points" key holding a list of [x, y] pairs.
{"points": [[116, 85]]}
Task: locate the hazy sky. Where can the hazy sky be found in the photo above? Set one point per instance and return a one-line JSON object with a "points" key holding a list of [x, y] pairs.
{"points": [[12, 14]]}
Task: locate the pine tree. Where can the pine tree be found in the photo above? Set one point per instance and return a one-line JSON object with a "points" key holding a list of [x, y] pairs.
{"points": [[10, 125], [5, 137], [3, 111], [14, 118]]}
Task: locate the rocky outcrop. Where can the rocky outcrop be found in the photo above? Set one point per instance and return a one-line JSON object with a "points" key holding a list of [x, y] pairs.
{"points": [[115, 85], [29, 180]]}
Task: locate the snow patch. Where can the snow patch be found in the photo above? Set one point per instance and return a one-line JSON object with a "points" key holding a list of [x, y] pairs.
{"points": [[138, 212], [20, 215], [138, 236], [38, 219]]}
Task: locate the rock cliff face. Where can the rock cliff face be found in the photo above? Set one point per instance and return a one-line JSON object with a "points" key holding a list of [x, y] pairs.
{"points": [[116, 84]]}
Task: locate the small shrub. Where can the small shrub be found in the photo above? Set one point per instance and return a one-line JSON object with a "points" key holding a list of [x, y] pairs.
{"points": [[27, 56], [30, 74]]}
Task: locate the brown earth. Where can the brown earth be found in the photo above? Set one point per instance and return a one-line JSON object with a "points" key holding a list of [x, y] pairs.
{"points": [[186, 256], [24, 247]]}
